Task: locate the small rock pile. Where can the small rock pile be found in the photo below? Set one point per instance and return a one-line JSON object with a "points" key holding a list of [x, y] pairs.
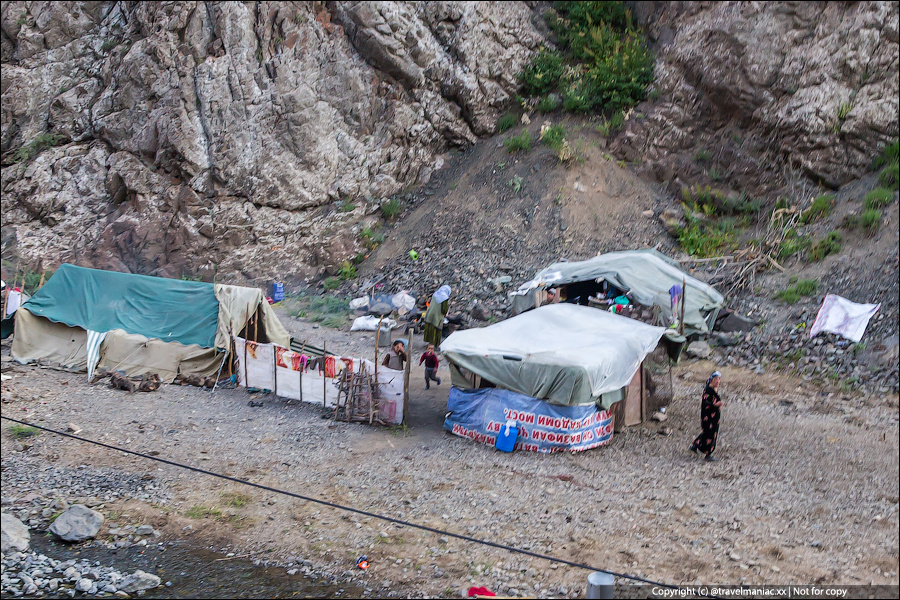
{"points": [[33, 574]]}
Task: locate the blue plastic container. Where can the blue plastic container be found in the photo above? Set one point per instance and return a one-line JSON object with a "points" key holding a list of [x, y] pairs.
{"points": [[278, 292], [506, 438]]}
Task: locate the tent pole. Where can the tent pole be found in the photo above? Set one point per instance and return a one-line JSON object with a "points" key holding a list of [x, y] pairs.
{"points": [[406, 377], [246, 383], [683, 294], [274, 370], [377, 333]]}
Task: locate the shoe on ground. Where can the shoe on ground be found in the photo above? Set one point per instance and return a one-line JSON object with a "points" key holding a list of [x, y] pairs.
{"points": [[711, 458], [439, 382], [694, 449], [427, 387]]}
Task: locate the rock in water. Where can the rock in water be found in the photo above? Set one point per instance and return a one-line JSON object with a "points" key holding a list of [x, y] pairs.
{"points": [[139, 580], [14, 535], [78, 523]]}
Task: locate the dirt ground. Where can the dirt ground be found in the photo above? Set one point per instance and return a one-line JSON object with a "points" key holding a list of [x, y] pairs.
{"points": [[806, 490]]}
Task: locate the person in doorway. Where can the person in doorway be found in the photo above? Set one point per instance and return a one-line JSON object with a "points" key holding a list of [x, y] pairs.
{"points": [[710, 406], [551, 297], [435, 315], [396, 358], [431, 366]]}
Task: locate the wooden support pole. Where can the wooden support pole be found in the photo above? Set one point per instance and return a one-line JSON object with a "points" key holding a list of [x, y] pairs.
{"points": [[406, 377], [683, 296]]}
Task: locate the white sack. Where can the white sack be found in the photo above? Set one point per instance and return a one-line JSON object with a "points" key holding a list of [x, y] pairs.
{"points": [[370, 323]]}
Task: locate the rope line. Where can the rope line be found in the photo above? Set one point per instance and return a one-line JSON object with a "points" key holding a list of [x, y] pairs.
{"points": [[358, 511]]}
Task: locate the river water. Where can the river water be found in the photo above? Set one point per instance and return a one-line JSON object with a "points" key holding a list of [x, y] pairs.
{"points": [[198, 573]]}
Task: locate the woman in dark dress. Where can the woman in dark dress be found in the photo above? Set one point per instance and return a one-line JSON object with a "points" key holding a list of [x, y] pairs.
{"points": [[709, 418]]}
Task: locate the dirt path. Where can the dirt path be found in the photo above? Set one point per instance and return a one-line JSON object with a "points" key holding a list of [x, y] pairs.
{"points": [[806, 491]]}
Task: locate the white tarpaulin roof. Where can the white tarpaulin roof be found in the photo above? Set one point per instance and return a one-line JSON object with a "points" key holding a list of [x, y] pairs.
{"points": [[843, 317], [563, 353], [646, 275]]}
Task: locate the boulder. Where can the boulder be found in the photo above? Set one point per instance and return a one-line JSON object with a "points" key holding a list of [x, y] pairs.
{"points": [[137, 581], [77, 524], [14, 536], [480, 313], [735, 322], [698, 349]]}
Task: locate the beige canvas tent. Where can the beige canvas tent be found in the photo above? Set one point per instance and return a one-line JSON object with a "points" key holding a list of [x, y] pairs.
{"points": [[86, 318]]}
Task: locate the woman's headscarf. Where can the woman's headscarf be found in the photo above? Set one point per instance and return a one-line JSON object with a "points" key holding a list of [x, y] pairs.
{"points": [[713, 376], [443, 293]]}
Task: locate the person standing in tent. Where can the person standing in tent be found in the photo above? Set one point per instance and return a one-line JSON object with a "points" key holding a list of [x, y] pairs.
{"points": [[434, 316], [710, 406]]}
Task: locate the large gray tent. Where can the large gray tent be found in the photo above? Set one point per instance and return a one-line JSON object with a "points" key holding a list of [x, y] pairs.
{"points": [[646, 275]]}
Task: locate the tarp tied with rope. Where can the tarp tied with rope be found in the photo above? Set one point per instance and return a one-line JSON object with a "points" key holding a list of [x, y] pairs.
{"points": [[139, 324]]}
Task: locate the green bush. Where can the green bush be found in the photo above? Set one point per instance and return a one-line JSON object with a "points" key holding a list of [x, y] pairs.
{"points": [[804, 287], [890, 176], [890, 154], [33, 148], [391, 208], [519, 142], [879, 198], [507, 121], [821, 207], [615, 122], [347, 206], [548, 104], [871, 218], [347, 271], [331, 283], [793, 244], [704, 238], [712, 202], [371, 239], [542, 73], [604, 65], [830, 244], [23, 431], [553, 136]]}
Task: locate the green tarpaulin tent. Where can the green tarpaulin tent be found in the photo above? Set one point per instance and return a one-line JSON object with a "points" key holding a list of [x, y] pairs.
{"points": [[139, 324]]}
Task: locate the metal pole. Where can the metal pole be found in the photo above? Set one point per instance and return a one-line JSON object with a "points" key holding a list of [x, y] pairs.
{"points": [[324, 373], [600, 586]]}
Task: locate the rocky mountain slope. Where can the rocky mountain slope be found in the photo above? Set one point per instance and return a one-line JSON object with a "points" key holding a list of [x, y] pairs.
{"points": [[255, 140]]}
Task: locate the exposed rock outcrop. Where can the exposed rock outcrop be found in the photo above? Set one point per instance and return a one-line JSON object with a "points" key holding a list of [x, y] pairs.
{"points": [[194, 137], [248, 140], [745, 89]]}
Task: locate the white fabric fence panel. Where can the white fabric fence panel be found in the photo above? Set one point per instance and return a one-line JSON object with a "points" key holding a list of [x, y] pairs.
{"points": [[292, 375], [259, 370]]}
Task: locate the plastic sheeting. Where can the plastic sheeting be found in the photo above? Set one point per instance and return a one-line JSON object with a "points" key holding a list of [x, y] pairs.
{"points": [[480, 414], [171, 310], [843, 317], [563, 353], [647, 275]]}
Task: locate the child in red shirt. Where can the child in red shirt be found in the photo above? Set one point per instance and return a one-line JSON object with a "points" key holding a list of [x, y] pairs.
{"points": [[431, 366]]}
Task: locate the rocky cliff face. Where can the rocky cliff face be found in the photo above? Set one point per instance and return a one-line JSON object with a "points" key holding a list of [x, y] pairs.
{"points": [[764, 88], [251, 138], [198, 136]]}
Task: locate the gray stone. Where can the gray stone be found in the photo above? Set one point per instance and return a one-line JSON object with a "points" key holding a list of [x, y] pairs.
{"points": [[84, 585], [698, 349], [13, 534], [144, 530], [735, 322], [76, 524], [139, 580]]}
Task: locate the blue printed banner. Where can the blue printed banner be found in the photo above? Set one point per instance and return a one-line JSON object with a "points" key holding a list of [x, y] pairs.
{"points": [[543, 427]]}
